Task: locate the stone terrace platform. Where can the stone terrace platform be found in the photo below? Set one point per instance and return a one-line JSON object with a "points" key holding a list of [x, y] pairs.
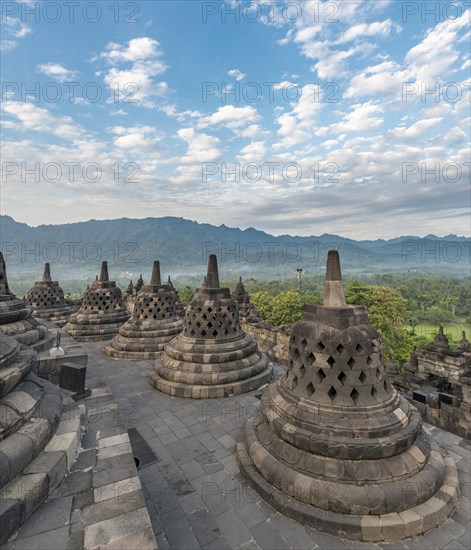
{"points": [[194, 492]]}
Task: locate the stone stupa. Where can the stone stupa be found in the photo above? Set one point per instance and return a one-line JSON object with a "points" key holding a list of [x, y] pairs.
{"points": [[242, 297], [153, 323], [16, 319], [47, 300], [101, 313], [334, 445], [212, 357]]}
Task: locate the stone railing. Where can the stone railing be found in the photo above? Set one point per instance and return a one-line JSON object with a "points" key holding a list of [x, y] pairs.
{"points": [[272, 341], [438, 388]]}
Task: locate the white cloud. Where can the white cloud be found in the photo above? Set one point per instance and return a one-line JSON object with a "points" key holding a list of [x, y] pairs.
{"points": [[378, 28], [12, 28], [201, 147], [235, 73], [136, 84], [118, 112], [57, 71], [31, 117], [295, 126], [254, 151], [417, 129], [230, 116], [137, 49], [135, 138]]}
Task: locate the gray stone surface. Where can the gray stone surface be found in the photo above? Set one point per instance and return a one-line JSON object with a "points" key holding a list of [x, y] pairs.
{"points": [[215, 480]]}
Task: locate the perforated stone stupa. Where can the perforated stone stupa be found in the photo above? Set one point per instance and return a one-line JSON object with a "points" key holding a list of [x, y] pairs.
{"points": [[47, 300], [334, 445], [212, 357], [102, 311], [153, 323], [241, 296], [16, 319]]}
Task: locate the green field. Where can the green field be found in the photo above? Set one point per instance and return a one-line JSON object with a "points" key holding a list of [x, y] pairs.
{"points": [[453, 330]]}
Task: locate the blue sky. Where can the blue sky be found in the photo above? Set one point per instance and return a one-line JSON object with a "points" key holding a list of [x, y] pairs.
{"points": [[118, 109]]}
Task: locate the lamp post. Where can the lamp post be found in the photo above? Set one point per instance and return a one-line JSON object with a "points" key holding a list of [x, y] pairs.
{"points": [[300, 276]]}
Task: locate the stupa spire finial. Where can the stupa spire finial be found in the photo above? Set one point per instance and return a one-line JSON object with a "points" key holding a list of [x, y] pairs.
{"points": [[155, 279], [212, 277], [333, 289], [47, 273], [104, 277]]}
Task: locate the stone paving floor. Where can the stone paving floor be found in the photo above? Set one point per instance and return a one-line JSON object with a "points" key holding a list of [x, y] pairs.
{"points": [[195, 495]]}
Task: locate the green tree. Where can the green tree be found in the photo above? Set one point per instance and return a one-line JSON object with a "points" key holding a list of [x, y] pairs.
{"points": [[186, 294], [386, 308]]}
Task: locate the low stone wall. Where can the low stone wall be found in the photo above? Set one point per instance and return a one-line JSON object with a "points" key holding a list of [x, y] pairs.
{"points": [[444, 401], [272, 341]]}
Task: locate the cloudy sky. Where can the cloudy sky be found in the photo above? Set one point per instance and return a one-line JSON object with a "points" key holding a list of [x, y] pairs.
{"points": [[348, 117]]}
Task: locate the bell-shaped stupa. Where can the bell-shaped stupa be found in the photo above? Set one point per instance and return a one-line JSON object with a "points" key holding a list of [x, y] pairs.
{"points": [[242, 297], [153, 323], [46, 298], [212, 357], [101, 313], [334, 445], [16, 319]]}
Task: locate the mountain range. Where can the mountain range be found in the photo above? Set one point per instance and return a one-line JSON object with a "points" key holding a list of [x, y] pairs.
{"points": [[182, 246]]}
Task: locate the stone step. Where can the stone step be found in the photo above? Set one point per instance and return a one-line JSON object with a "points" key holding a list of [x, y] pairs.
{"points": [[22, 496], [29, 415]]}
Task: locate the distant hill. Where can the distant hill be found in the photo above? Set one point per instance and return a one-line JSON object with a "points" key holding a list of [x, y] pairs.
{"points": [[75, 250]]}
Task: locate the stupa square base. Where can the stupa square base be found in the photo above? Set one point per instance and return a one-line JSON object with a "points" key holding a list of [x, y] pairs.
{"points": [[210, 391]]}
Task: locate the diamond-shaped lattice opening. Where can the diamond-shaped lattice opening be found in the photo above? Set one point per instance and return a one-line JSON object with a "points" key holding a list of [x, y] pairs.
{"points": [[310, 389], [294, 383], [340, 349], [321, 375], [369, 361], [302, 371], [342, 376], [310, 359], [215, 333], [203, 333], [362, 377], [290, 363], [378, 373], [374, 393], [304, 342], [210, 324], [209, 310], [331, 361], [332, 392], [359, 348], [296, 353], [354, 395], [320, 346], [351, 362]]}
